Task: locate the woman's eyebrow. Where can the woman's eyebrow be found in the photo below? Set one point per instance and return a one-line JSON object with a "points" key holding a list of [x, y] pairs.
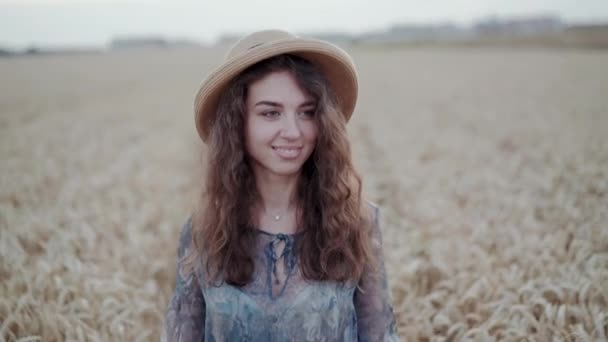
{"points": [[268, 103], [308, 103], [277, 104]]}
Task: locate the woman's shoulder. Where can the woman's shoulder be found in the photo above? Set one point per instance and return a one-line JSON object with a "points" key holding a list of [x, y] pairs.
{"points": [[373, 211], [373, 206], [188, 258], [185, 236]]}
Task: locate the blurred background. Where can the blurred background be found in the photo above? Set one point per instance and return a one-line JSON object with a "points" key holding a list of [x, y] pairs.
{"points": [[481, 130], [101, 25]]}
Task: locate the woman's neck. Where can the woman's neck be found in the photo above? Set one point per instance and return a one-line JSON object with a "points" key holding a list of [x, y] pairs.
{"points": [[277, 193]]}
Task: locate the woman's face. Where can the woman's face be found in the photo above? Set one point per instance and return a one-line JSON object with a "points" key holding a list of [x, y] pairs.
{"points": [[280, 128]]}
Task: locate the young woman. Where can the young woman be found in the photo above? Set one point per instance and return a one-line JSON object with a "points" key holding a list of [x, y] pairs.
{"points": [[283, 247]]}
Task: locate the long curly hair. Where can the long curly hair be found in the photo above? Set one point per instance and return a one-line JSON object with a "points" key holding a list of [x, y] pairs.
{"points": [[336, 223]]}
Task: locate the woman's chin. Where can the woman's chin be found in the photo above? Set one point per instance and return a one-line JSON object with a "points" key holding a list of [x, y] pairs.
{"points": [[285, 171], [280, 168]]}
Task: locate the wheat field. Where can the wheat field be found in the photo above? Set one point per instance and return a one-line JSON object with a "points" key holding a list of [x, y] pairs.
{"points": [[490, 166]]}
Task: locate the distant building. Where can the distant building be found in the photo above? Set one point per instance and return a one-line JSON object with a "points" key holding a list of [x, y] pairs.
{"points": [[340, 39], [6, 52], [413, 33], [149, 42], [443, 31], [139, 42], [519, 26]]}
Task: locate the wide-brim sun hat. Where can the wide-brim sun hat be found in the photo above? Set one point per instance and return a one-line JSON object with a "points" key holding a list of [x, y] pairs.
{"points": [[336, 65]]}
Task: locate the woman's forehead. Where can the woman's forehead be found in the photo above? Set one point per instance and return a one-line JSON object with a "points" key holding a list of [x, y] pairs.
{"points": [[278, 87]]}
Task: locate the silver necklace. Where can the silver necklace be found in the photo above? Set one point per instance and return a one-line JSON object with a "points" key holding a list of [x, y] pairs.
{"points": [[278, 217]]}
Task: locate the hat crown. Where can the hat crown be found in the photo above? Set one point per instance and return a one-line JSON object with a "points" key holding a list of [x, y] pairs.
{"points": [[257, 39]]}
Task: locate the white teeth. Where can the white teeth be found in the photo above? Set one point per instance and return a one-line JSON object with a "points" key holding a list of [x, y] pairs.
{"points": [[287, 152]]}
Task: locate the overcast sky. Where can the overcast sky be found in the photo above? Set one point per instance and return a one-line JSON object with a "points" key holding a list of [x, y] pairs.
{"points": [[95, 22]]}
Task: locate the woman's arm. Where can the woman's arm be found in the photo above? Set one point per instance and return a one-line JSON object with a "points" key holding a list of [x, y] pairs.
{"points": [[185, 315], [375, 317]]}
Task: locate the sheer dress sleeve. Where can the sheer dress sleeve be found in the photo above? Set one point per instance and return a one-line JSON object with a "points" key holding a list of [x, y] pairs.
{"points": [[373, 302], [185, 314]]}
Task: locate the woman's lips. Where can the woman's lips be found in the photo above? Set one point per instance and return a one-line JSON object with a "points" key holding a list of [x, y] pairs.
{"points": [[287, 152]]}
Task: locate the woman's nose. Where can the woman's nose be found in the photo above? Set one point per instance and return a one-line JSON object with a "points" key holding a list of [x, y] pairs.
{"points": [[291, 126]]}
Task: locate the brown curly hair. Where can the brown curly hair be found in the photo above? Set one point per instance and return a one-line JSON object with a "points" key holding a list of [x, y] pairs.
{"points": [[336, 224]]}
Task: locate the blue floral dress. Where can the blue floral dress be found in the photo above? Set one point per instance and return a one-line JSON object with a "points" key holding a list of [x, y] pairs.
{"points": [[279, 304]]}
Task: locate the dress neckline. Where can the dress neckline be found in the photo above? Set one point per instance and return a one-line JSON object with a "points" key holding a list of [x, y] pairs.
{"points": [[264, 232]]}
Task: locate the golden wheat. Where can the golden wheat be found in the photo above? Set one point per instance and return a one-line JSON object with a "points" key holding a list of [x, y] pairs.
{"points": [[490, 166]]}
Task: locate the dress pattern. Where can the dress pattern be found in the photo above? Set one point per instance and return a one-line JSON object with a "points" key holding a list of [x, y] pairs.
{"points": [[279, 304]]}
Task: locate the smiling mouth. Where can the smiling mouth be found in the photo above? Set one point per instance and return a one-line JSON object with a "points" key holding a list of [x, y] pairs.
{"points": [[287, 152]]}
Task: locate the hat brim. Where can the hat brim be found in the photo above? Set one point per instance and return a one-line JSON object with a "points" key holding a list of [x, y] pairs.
{"points": [[335, 63]]}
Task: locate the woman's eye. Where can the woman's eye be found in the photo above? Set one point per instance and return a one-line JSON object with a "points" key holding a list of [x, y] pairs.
{"points": [[309, 113], [271, 113]]}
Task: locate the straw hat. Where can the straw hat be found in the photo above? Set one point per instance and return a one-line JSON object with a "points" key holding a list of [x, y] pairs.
{"points": [[335, 63]]}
